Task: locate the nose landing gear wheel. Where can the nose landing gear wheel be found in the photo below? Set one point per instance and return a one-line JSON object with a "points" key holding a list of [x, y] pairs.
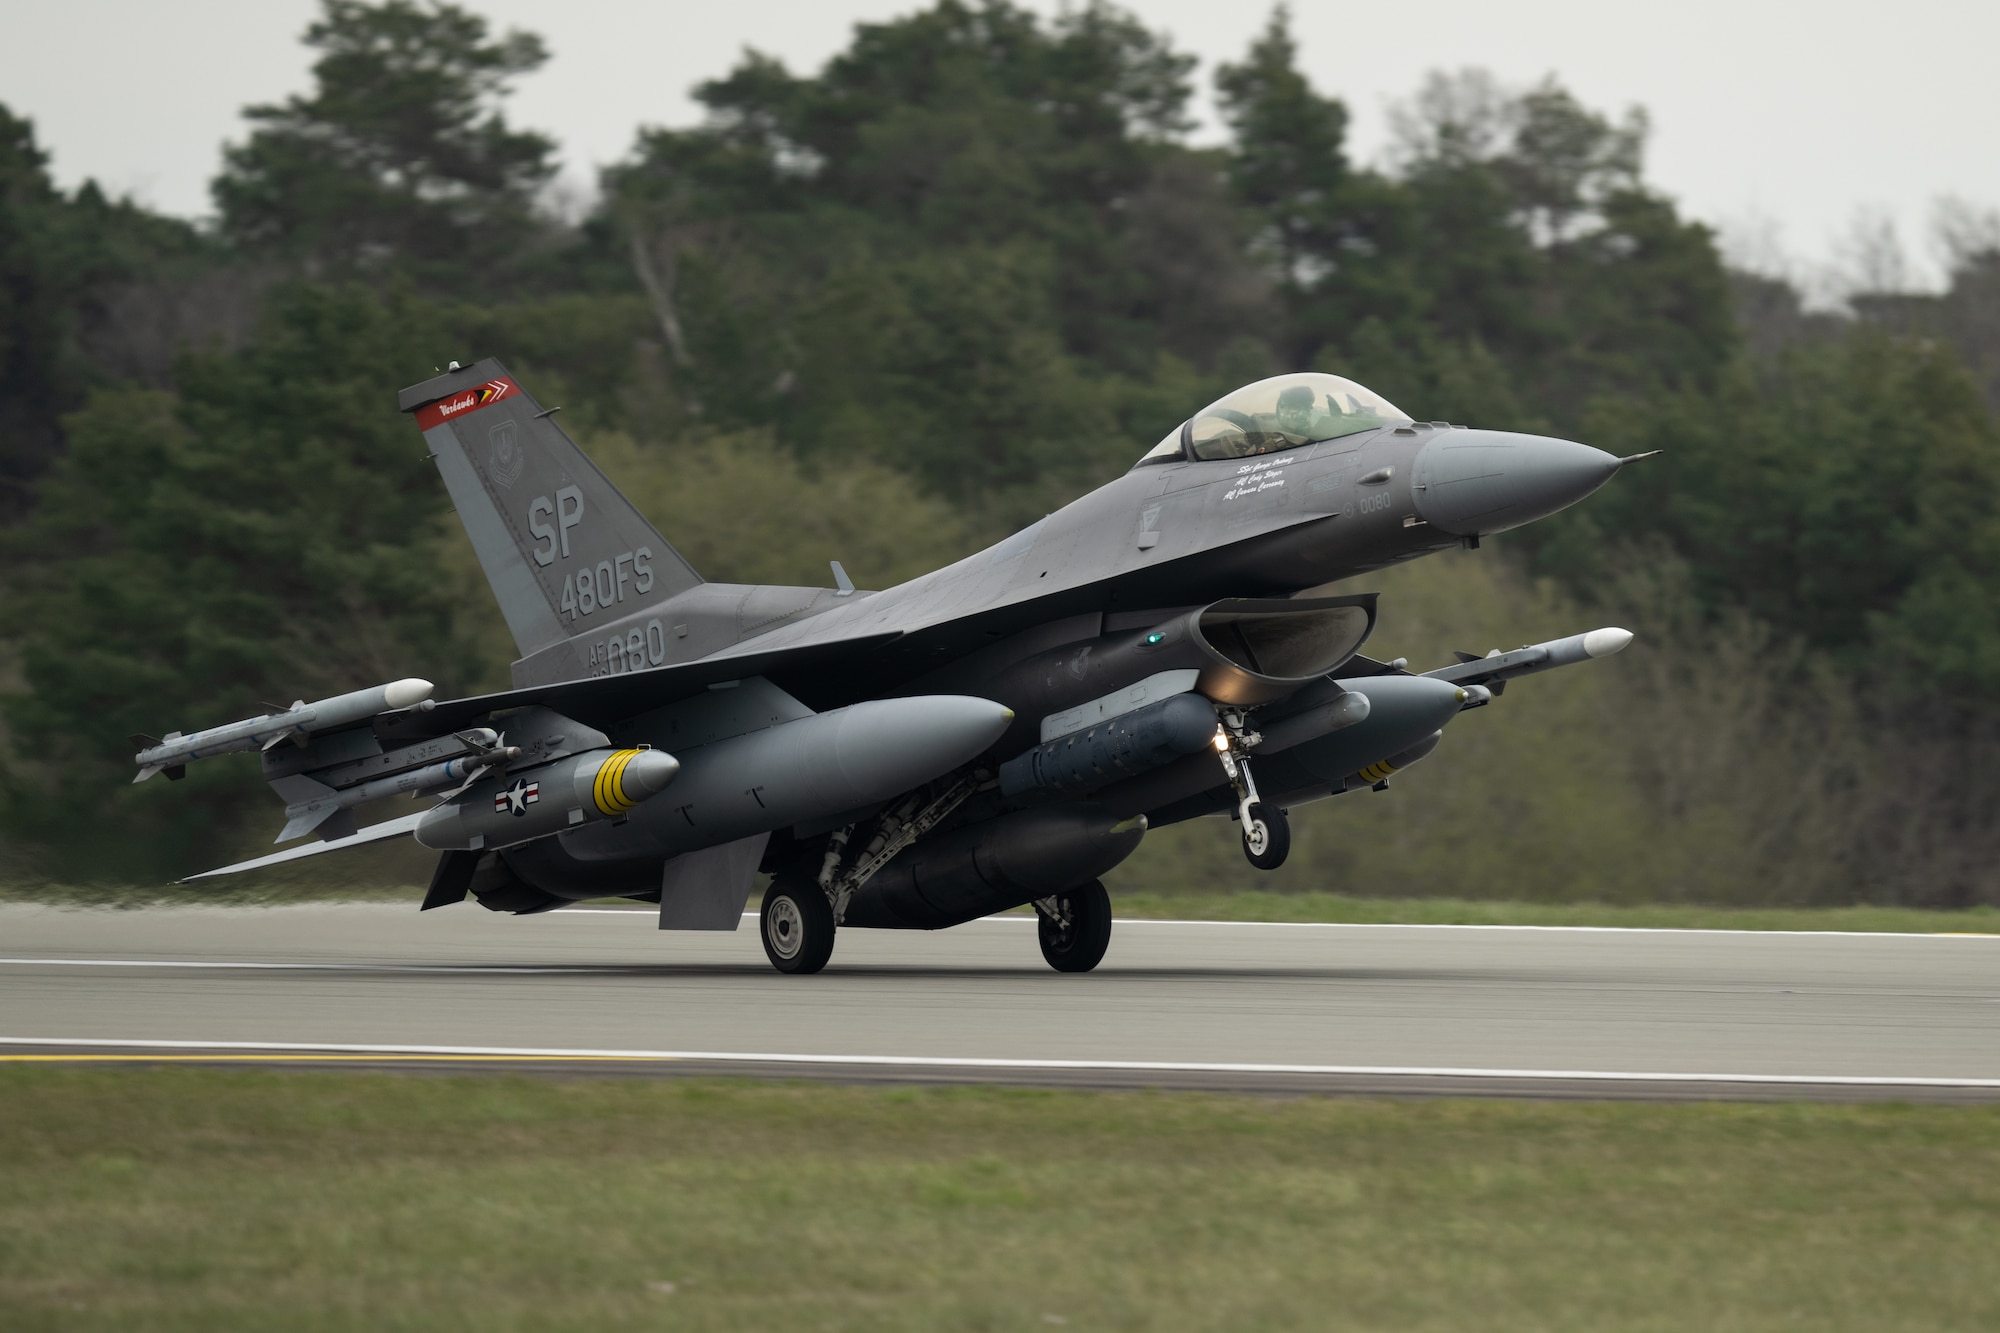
{"points": [[1267, 836], [796, 922], [1075, 927]]}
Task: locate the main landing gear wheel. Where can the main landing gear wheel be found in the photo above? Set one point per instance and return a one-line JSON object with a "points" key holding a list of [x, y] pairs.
{"points": [[1075, 927], [1267, 836], [796, 922]]}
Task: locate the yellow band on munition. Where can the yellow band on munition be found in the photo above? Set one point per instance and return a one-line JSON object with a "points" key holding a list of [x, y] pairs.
{"points": [[607, 789], [1378, 771]]}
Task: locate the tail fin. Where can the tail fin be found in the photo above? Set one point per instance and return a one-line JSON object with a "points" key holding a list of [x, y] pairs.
{"points": [[562, 548]]}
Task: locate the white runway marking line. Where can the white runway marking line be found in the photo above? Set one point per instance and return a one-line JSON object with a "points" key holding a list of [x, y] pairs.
{"points": [[476, 969], [976, 1062], [1420, 925]]}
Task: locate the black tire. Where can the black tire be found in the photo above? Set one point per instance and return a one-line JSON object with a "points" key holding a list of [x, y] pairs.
{"points": [[1267, 838], [1079, 946], [796, 923]]}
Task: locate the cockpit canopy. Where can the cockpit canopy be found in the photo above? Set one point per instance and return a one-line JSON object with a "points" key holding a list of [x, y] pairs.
{"points": [[1283, 412]]}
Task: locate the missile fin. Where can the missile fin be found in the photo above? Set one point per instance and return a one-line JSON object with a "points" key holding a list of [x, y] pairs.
{"points": [[301, 824]]}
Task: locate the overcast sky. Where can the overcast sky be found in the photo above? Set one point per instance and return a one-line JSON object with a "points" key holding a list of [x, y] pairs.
{"points": [[1780, 122]]}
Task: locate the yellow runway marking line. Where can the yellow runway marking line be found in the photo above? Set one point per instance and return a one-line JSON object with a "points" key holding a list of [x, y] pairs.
{"points": [[333, 1056]]}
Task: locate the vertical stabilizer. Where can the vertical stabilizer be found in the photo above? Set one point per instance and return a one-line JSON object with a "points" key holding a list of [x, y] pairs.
{"points": [[562, 548]]}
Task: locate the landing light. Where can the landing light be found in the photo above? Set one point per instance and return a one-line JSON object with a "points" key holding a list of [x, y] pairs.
{"points": [[1221, 741]]}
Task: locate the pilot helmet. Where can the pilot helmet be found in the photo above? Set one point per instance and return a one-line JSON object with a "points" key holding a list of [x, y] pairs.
{"points": [[1295, 409]]}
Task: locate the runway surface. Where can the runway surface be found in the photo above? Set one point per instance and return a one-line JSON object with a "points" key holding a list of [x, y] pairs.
{"points": [[1377, 1009]]}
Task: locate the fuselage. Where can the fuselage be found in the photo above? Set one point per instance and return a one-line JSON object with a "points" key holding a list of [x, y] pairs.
{"points": [[1084, 587]]}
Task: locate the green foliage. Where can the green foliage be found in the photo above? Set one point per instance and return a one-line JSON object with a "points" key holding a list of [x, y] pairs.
{"points": [[399, 159], [1289, 162], [960, 250], [61, 257], [743, 510], [1847, 493], [253, 537]]}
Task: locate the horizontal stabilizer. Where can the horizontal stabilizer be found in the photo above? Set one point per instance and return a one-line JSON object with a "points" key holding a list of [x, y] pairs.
{"points": [[373, 833]]}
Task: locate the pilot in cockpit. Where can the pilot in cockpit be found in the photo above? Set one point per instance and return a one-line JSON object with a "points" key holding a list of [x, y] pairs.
{"points": [[1295, 413]]}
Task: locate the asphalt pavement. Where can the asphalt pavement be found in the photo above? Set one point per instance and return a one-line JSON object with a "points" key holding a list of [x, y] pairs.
{"points": [[1420, 1010]]}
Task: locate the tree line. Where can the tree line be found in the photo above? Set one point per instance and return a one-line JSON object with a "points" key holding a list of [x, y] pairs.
{"points": [[970, 267]]}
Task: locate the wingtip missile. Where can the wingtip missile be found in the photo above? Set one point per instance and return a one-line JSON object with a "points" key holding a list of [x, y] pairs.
{"points": [[1497, 668], [174, 751]]}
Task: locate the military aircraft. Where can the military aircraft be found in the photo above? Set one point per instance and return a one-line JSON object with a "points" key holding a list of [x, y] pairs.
{"points": [[997, 733]]}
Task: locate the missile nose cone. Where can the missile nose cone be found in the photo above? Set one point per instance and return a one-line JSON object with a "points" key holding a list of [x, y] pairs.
{"points": [[650, 771], [403, 693], [1605, 642], [1478, 482]]}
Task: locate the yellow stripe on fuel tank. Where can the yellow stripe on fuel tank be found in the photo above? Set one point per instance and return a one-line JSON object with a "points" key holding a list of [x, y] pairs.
{"points": [[607, 789]]}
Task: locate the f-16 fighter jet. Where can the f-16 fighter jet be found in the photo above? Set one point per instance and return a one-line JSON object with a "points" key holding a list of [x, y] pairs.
{"points": [[1000, 732]]}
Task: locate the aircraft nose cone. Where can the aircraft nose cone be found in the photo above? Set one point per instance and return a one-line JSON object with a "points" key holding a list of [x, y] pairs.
{"points": [[1472, 483]]}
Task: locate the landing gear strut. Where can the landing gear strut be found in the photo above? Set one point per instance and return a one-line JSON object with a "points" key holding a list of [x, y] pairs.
{"points": [[1075, 927], [1267, 836]]}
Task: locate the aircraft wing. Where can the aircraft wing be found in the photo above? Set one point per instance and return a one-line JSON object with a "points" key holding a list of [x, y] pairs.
{"points": [[600, 701]]}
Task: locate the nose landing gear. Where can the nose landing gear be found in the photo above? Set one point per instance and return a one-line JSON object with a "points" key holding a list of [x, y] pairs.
{"points": [[1267, 835]]}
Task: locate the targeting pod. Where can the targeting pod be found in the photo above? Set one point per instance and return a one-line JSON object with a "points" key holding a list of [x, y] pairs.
{"points": [[519, 807], [1098, 756]]}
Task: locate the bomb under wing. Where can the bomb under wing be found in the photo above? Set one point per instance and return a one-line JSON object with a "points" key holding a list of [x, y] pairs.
{"points": [[514, 808]]}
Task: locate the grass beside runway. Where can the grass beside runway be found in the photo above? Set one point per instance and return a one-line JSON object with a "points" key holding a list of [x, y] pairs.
{"points": [[201, 1199]]}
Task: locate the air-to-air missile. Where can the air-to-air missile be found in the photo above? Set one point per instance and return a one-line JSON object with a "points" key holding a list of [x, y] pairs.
{"points": [[171, 754], [311, 802]]}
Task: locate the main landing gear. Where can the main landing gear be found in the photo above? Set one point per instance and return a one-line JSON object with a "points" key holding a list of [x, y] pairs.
{"points": [[1074, 927], [1267, 834], [797, 925]]}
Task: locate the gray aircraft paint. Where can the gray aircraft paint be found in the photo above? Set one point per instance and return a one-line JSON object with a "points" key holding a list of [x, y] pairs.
{"points": [[794, 711], [798, 771], [562, 548]]}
